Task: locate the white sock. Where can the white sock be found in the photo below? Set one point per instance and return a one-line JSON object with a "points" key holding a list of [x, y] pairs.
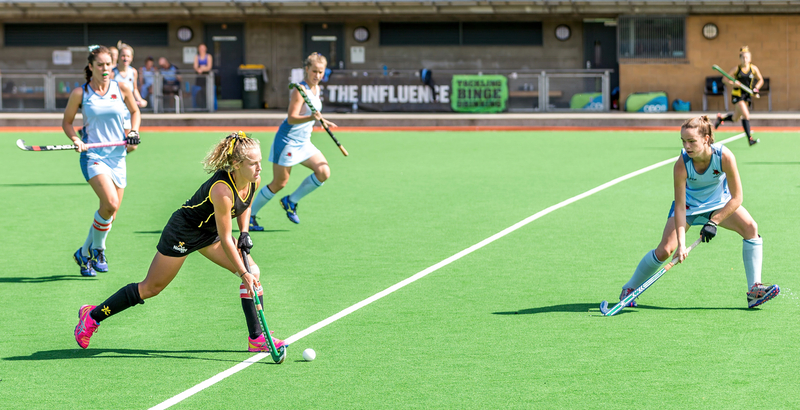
{"points": [[100, 228], [647, 267], [751, 255], [306, 187], [262, 197]]}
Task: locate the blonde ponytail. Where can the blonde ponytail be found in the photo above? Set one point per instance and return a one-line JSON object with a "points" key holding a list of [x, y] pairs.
{"points": [[230, 151]]}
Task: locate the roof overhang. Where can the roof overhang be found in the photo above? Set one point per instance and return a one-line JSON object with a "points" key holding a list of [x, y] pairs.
{"points": [[244, 9]]}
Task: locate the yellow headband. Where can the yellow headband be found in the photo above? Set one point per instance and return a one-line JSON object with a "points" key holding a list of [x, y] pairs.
{"points": [[230, 147], [235, 137]]}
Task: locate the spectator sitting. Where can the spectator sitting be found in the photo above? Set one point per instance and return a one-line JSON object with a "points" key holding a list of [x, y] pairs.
{"points": [[172, 81], [147, 77], [203, 63]]}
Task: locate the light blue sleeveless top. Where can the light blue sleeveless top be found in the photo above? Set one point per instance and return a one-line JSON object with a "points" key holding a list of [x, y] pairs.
{"points": [[300, 132], [103, 118], [708, 191], [128, 79]]}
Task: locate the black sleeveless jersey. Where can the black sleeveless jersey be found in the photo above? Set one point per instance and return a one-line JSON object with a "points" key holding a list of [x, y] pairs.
{"points": [[745, 78], [198, 211]]}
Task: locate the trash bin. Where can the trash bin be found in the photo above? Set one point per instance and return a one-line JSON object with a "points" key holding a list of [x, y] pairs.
{"points": [[254, 76]]}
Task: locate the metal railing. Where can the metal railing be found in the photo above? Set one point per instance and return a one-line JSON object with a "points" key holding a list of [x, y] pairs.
{"points": [[26, 91]]}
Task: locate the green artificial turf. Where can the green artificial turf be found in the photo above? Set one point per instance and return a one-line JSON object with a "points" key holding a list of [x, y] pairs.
{"points": [[514, 324]]}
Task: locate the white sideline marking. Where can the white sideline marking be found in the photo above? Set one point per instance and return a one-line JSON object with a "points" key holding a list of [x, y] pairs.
{"points": [[311, 329]]}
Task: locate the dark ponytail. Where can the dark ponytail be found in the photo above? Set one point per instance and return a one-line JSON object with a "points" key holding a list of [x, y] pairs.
{"points": [[94, 51]]}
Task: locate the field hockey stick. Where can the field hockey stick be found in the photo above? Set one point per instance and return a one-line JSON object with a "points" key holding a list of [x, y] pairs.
{"points": [[22, 146], [314, 110], [278, 356], [628, 299], [728, 76]]}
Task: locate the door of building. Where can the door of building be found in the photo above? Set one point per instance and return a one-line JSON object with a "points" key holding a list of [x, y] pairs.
{"points": [[328, 40], [226, 43], [600, 48]]}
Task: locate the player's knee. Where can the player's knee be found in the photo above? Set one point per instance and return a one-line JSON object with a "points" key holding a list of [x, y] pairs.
{"points": [[147, 290], [276, 186], [323, 173], [110, 208], [663, 252], [751, 230]]}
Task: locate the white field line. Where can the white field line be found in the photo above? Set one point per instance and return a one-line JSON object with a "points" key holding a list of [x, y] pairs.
{"points": [[313, 328]]}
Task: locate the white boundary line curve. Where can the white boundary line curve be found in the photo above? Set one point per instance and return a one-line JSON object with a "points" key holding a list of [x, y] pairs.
{"points": [[319, 325]]}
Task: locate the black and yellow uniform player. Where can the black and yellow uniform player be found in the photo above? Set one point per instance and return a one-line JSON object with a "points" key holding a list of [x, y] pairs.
{"points": [[202, 224], [748, 75]]}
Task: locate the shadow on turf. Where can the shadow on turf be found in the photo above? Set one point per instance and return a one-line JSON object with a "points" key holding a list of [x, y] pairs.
{"points": [[586, 307], [43, 279], [77, 353], [159, 231], [45, 184]]}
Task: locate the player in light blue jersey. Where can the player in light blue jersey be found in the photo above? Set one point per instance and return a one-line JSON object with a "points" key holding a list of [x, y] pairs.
{"points": [[104, 104], [124, 72], [292, 146], [708, 193]]}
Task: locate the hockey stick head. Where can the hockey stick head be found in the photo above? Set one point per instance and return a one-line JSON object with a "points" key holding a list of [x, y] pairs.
{"points": [[281, 355], [21, 144], [604, 307]]}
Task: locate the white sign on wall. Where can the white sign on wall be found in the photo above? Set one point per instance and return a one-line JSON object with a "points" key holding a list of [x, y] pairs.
{"points": [[357, 55], [188, 55], [62, 57]]}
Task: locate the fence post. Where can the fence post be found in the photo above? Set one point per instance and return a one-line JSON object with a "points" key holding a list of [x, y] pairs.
{"points": [[543, 100], [211, 92], [1, 92], [157, 84], [49, 92], [606, 91]]}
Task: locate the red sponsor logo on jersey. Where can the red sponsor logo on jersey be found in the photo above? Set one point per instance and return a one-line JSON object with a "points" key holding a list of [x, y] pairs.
{"points": [[687, 207], [96, 163], [716, 173], [113, 96], [289, 154]]}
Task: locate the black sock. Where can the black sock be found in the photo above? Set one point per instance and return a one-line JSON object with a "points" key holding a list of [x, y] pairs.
{"points": [[746, 126], [728, 117], [251, 316], [124, 298]]}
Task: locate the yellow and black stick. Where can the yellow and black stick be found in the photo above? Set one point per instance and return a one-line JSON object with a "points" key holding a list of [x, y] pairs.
{"points": [[728, 76], [313, 110]]}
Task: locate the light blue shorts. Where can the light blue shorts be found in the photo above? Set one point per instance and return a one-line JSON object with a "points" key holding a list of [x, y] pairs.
{"points": [[288, 152], [114, 167], [693, 220]]}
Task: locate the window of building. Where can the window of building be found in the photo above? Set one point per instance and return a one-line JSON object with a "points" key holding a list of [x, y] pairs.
{"points": [[33, 35], [66, 35], [502, 33], [460, 33], [652, 38]]}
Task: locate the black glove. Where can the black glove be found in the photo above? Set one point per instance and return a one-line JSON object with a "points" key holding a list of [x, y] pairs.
{"points": [[709, 231], [245, 243], [133, 138]]}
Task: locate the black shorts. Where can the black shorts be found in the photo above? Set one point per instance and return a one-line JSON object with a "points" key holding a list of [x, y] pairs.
{"points": [[180, 239], [744, 97]]}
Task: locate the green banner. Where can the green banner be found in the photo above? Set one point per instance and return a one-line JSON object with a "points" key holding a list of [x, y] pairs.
{"points": [[479, 93]]}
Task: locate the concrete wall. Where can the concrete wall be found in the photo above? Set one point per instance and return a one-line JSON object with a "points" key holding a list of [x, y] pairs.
{"points": [[773, 40], [279, 47]]}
